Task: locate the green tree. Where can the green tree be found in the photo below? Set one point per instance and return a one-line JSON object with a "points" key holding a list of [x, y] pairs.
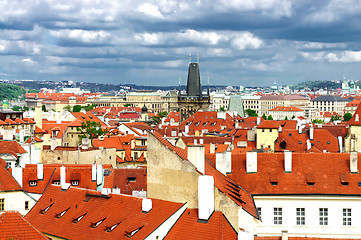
{"points": [[91, 130], [89, 107], [68, 108], [286, 118], [293, 117], [270, 117], [26, 109], [251, 113], [318, 121], [44, 108], [156, 119], [127, 105], [264, 116], [335, 118], [76, 108], [222, 109], [347, 117], [16, 108]]}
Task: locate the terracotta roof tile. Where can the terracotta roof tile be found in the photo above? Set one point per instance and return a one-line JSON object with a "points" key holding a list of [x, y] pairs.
{"points": [[14, 226], [121, 211], [7, 182], [187, 227]]}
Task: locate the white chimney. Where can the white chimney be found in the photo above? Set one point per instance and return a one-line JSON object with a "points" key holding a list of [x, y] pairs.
{"points": [[311, 132], [357, 118], [284, 235], [340, 143], [195, 141], [186, 129], [205, 197], [288, 162], [353, 162], [40, 171], [258, 120], [146, 205], [212, 148], [224, 162], [84, 143], [99, 174], [53, 143], [251, 162], [116, 190], [65, 186], [236, 125], [221, 115], [280, 129], [196, 155], [106, 191], [62, 175], [300, 129], [17, 173], [94, 172], [201, 141], [308, 144]]}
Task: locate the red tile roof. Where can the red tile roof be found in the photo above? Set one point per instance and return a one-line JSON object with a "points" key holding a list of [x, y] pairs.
{"points": [[353, 121], [88, 116], [14, 226], [179, 151], [188, 227], [7, 182], [116, 215], [286, 109], [11, 147], [327, 179], [39, 130], [35, 138], [129, 179]]}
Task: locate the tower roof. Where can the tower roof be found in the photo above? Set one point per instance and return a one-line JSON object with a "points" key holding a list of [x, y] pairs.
{"points": [[194, 81]]}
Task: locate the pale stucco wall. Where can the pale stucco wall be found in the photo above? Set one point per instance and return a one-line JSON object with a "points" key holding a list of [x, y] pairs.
{"points": [[266, 138], [16, 201]]}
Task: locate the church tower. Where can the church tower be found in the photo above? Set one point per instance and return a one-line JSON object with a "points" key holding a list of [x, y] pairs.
{"points": [[193, 100]]}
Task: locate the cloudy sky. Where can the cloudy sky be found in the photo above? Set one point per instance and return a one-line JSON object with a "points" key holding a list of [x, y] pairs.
{"points": [[239, 42]]}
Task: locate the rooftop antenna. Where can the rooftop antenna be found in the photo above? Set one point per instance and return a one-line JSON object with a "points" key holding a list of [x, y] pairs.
{"points": [[197, 57], [179, 91], [190, 58]]}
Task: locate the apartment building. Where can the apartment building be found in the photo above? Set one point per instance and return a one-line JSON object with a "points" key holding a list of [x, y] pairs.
{"points": [[329, 103]]}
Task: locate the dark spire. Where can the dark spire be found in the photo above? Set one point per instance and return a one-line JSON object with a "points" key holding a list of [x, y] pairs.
{"points": [[194, 80]]}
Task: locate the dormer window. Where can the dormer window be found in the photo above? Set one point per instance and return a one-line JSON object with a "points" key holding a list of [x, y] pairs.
{"points": [[75, 182], [33, 183], [131, 234], [56, 182]]}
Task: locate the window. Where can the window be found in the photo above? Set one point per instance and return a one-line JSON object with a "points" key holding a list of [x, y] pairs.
{"points": [[262, 130], [75, 182], [26, 205], [2, 204], [346, 221], [300, 216], [270, 130], [56, 182], [323, 216], [33, 183], [259, 210], [135, 155], [277, 216], [131, 179]]}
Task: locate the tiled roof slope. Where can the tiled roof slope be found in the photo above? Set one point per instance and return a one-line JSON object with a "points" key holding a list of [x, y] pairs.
{"points": [[324, 169], [14, 226], [122, 180], [187, 227], [124, 210], [329, 98], [12, 146], [88, 116], [285, 124], [179, 151], [7, 182], [79, 172], [353, 120], [286, 109]]}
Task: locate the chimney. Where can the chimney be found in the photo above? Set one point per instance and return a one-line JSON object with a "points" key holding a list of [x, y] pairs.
{"points": [[17, 173], [308, 144], [221, 115], [84, 143], [288, 162], [280, 129], [353, 162], [357, 118], [106, 191], [311, 132], [251, 162], [300, 129], [284, 235], [146, 205], [39, 117], [212, 148], [258, 120], [53, 143], [186, 129], [195, 141], [205, 197], [94, 172], [236, 125], [62, 176], [40, 171], [195, 155], [201, 141], [99, 174], [224, 162], [340, 143]]}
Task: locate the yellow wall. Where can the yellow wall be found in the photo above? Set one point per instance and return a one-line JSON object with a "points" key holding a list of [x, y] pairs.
{"points": [[266, 138]]}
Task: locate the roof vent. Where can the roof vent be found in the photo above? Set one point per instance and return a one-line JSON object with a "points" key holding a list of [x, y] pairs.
{"points": [[146, 205]]}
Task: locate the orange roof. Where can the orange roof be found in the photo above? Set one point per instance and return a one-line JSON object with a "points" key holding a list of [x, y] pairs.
{"points": [[12, 146], [88, 116], [35, 138], [188, 227], [286, 109], [285, 124], [173, 115], [14, 226], [327, 179], [353, 121], [103, 217], [268, 124], [129, 179], [39, 130], [18, 120], [28, 120], [9, 121], [7, 182]]}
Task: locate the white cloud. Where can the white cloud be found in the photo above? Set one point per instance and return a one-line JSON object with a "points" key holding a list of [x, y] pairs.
{"points": [[150, 10], [82, 35], [246, 40], [313, 56], [344, 57], [27, 60], [319, 45]]}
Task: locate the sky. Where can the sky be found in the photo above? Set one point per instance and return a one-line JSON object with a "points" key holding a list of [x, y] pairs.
{"points": [[239, 42]]}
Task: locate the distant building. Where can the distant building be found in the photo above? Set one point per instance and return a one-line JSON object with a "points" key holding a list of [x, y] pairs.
{"points": [[329, 103], [194, 99]]}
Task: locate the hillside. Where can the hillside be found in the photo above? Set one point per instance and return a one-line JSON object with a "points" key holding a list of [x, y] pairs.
{"points": [[313, 85], [8, 91]]}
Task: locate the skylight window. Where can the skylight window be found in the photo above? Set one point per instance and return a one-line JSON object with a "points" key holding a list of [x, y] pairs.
{"points": [[111, 228], [62, 213], [94, 225], [132, 233], [79, 218], [46, 209]]}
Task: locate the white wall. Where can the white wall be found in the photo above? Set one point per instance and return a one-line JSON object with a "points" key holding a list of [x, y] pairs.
{"points": [[16, 201], [335, 205]]}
